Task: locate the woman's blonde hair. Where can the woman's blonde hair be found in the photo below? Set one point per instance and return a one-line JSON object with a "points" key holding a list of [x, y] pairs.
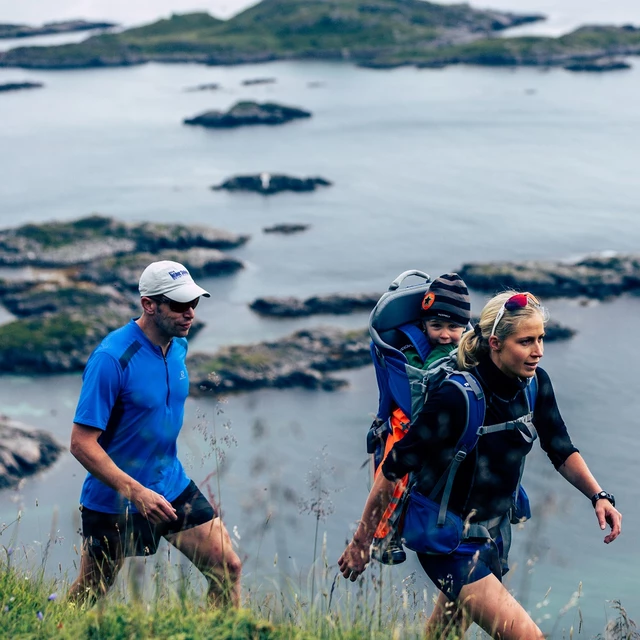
{"points": [[474, 344]]}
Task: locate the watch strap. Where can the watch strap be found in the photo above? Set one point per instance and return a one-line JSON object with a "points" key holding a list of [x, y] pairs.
{"points": [[602, 495]]}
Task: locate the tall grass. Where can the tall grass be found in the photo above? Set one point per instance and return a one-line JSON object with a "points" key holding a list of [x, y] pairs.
{"points": [[163, 597], [33, 607]]}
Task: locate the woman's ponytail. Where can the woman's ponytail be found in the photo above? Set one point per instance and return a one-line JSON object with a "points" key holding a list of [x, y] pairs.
{"points": [[471, 347]]}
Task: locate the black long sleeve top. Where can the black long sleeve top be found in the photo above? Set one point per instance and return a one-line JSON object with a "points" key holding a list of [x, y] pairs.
{"points": [[487, 478]]}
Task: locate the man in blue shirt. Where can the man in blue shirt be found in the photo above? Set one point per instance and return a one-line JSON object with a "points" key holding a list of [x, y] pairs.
{"points": [[125, 434]]}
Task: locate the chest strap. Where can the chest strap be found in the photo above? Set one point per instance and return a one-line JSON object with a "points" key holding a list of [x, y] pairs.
{"points": [[523, 424]]}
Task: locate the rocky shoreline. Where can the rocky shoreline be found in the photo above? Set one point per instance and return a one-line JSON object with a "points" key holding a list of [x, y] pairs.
{"points": [[24, 451], [77, 281]]}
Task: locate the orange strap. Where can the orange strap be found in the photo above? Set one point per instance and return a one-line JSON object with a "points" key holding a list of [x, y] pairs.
{"points": [[399, 427]]}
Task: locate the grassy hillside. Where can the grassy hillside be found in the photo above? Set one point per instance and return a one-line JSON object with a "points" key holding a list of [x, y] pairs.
{"points": [[378, 33], [276, 29]]}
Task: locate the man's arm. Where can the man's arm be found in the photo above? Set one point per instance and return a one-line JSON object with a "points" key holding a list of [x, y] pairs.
{"points": [[90, 454], [574, 469]]}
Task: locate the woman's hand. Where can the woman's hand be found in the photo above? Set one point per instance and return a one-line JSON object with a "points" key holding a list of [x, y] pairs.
{"points": [[607, 514], [354, 560]]}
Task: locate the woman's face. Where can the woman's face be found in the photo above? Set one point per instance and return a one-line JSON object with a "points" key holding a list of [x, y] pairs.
{"points": [[519, 354]]}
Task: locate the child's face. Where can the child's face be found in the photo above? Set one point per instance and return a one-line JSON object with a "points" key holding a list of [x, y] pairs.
{"points": [[443, 332]]}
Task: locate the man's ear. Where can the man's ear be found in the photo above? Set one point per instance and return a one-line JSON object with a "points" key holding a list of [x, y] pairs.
{"points": [[494, 343], [148, 305]]}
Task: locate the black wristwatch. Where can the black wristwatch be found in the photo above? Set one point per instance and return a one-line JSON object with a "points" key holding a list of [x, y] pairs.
{"points": [[602, 495]]}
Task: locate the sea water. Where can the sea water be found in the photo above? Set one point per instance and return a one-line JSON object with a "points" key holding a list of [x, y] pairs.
{"points": [[431, 169]]}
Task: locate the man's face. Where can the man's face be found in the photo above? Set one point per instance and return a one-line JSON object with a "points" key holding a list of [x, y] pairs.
{"points": [[174, 319]]}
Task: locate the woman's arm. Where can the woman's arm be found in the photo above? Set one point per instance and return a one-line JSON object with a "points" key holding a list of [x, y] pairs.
{"points": [[355, 557], [574, 469]]}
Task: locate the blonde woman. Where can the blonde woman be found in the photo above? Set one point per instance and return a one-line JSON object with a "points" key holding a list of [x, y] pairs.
{"points": [[503, 355]]}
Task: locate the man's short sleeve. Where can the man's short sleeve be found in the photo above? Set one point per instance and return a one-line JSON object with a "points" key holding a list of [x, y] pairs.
{"points": [[101, 384]]}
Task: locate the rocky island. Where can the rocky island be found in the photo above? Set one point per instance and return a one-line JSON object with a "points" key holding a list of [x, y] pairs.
{"points": [[249, 82], [24, 451], [270, 183], [372, 33], [304, 359], [335, 304], [19, 86], [598, 276], [286, 228], [208, 86], [60, 244], [248, 113], [598, 65]]}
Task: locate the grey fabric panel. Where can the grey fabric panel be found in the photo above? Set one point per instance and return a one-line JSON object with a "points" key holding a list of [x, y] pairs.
{"points": [[398, 307]]}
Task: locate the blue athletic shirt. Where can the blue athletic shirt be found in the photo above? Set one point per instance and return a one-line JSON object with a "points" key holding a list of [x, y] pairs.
{"points": [[136, 396]]}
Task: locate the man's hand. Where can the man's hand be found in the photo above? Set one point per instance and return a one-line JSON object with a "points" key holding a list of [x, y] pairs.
{"points": [[607, 514], [153, 506], [354, 560]]}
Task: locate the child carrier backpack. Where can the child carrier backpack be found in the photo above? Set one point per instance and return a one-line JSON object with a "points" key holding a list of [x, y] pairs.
{"points": [[394, 320], [403, 390]]}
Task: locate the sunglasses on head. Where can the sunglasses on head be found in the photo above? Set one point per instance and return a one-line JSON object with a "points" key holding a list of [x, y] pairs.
{"points": [[517, 301], [176, 307]]}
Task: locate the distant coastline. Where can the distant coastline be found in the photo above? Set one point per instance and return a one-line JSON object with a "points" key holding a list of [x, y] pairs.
{"points": [[379, 34]]}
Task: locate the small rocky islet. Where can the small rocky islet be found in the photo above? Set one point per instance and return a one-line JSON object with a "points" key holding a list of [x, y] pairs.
{"points": [[286, 228], [598, 65], [271, 183], [248, 113], [19, 86]]}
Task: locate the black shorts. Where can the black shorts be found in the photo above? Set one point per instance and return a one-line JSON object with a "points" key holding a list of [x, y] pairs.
{"points": [[119, 535], [470, 562]]}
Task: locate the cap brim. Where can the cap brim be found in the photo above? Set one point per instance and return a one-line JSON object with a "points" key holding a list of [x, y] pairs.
{"points": [[187, 292]]}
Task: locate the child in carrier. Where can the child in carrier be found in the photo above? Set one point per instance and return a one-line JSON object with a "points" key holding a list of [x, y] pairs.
{"points": [[444, 315]]}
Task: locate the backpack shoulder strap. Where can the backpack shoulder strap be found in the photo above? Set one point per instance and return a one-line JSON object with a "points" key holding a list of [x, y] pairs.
{"points": [[417, 338], [475, 410], [531, 391]]}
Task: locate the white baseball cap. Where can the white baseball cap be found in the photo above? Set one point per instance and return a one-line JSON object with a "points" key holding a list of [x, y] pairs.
{"points": [[170, 279]]}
